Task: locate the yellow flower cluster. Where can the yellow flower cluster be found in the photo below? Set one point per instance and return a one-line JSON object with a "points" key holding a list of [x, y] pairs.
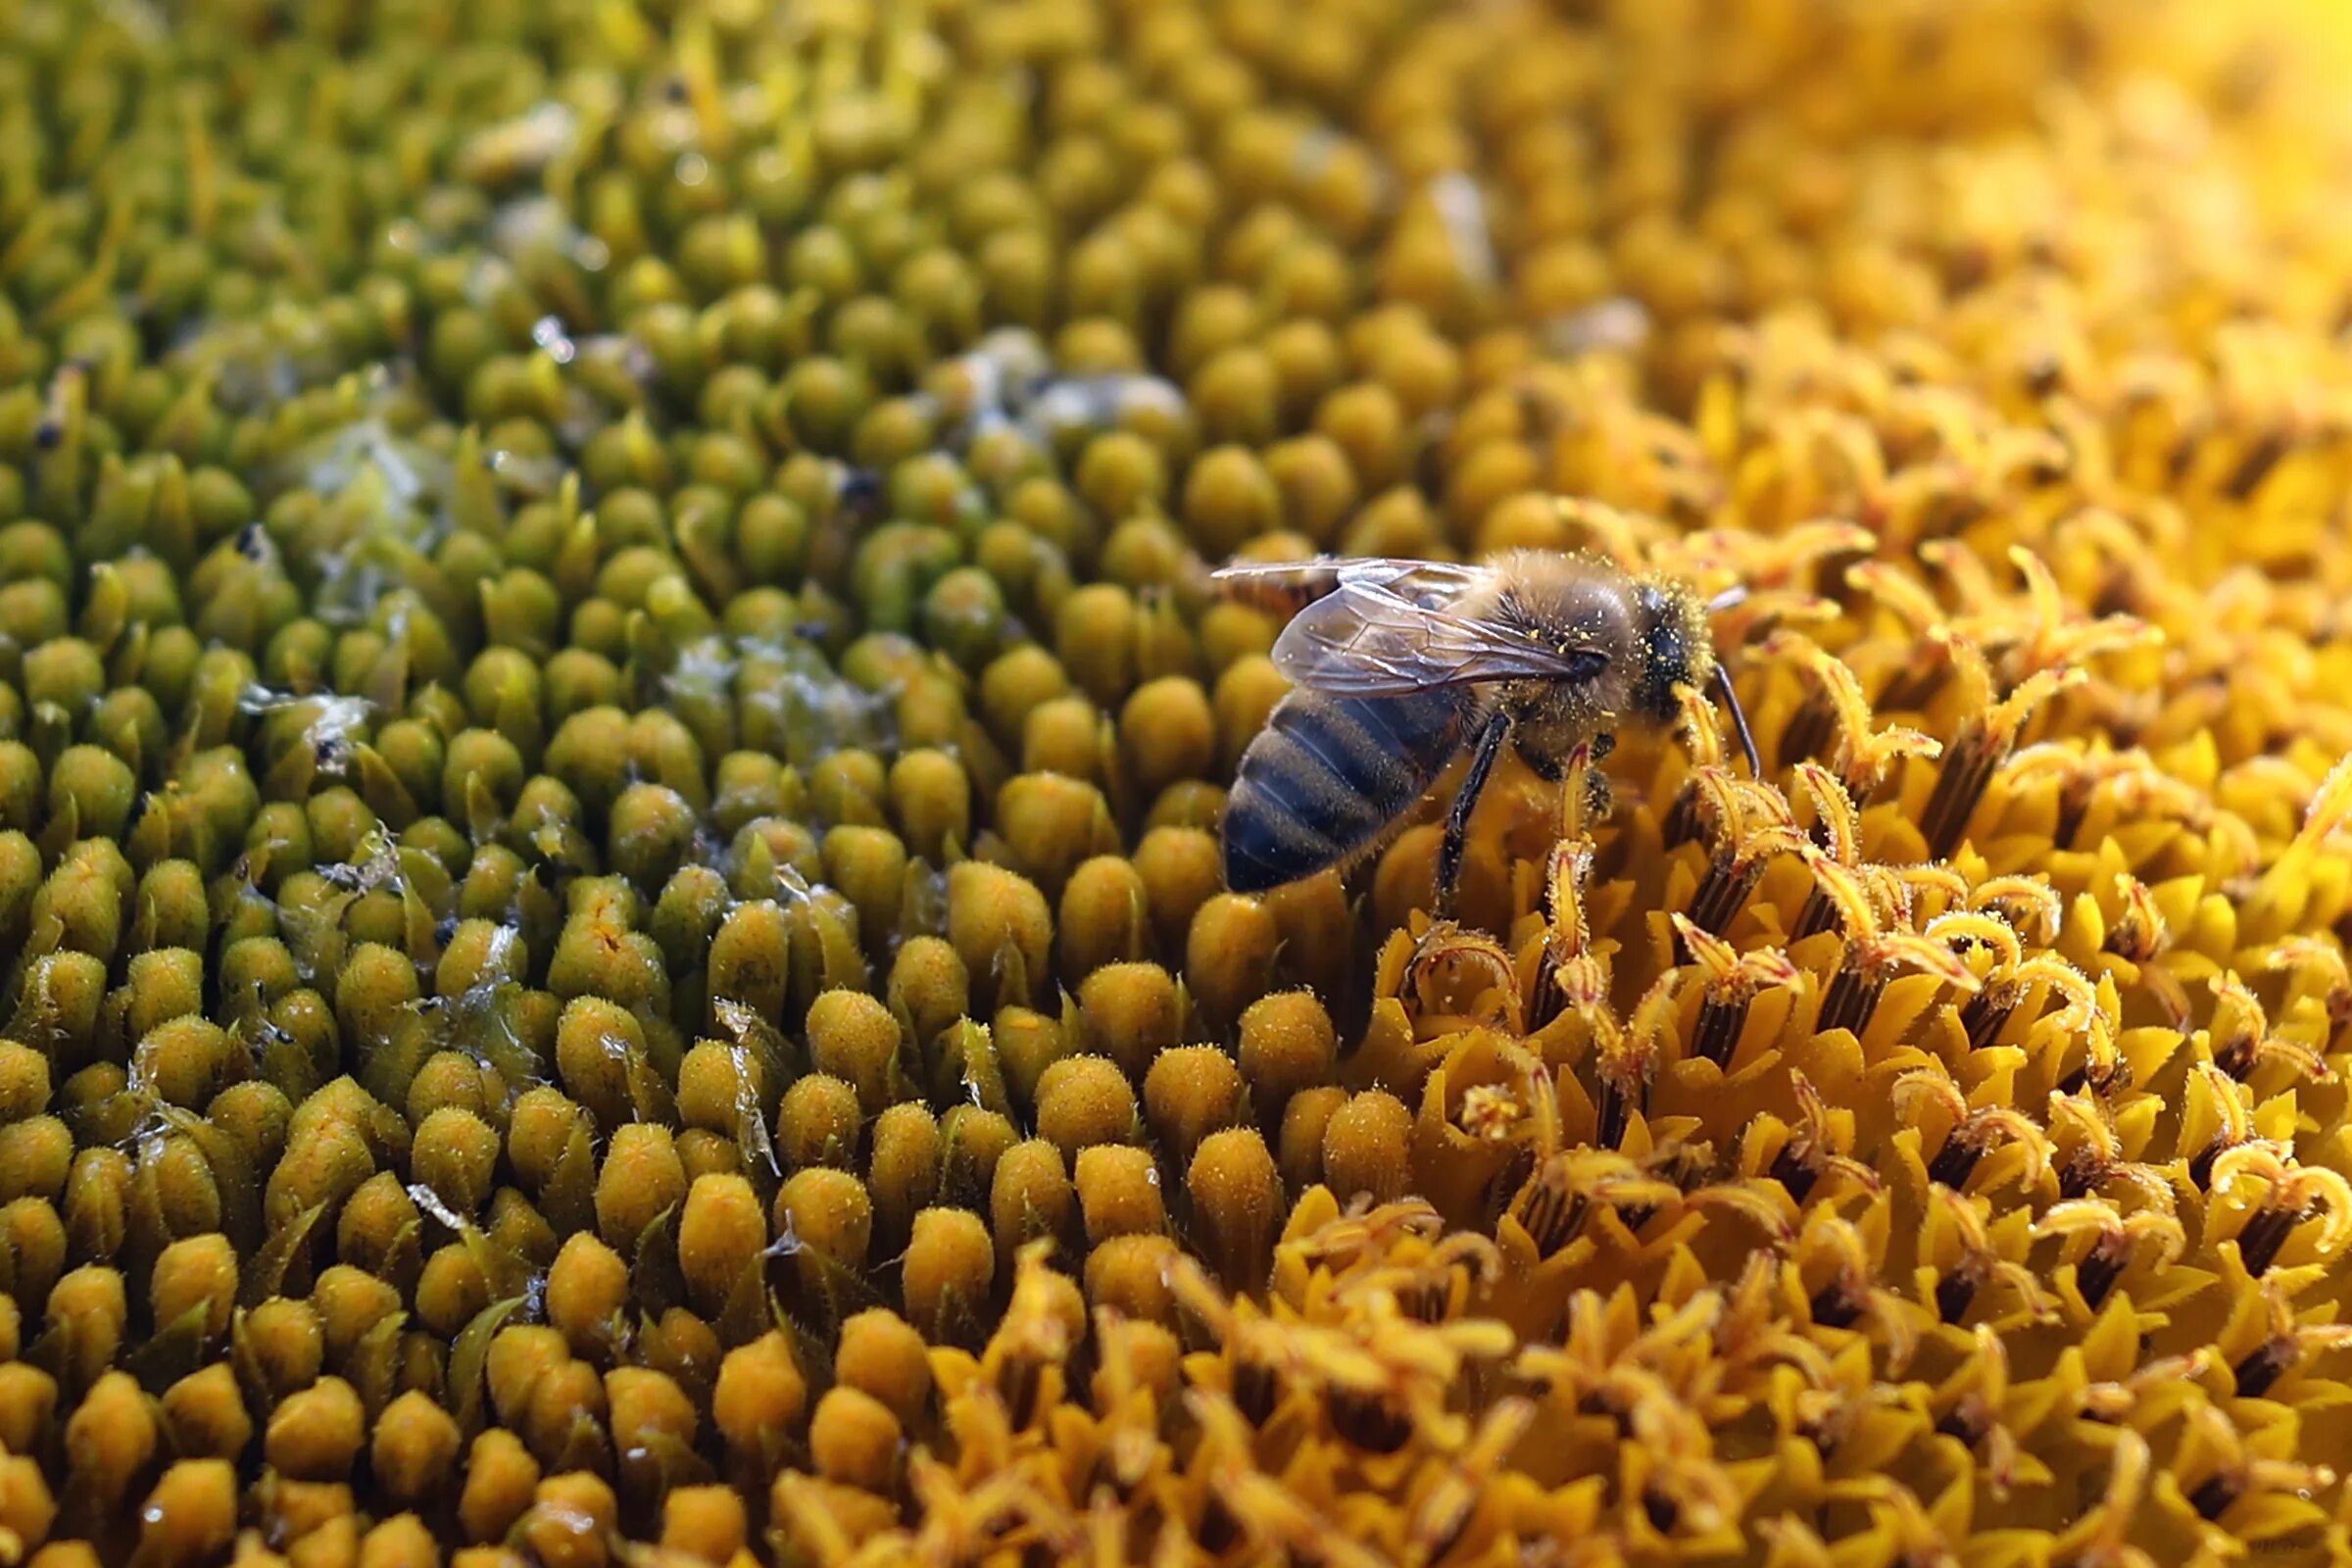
{"points": [[612, 733]]}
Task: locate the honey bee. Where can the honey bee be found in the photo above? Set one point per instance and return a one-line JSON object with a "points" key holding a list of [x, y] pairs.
{"points": [[1397, 665]]}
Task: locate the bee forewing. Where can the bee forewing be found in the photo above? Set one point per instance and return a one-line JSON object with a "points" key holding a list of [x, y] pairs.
{"points": [[1369, 639], [1278, 587], [1285, 587], [1351, 569], [1244, 571]]}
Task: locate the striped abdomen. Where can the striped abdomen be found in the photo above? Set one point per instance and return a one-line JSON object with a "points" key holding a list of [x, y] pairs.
{"points": [[1328, 777]]}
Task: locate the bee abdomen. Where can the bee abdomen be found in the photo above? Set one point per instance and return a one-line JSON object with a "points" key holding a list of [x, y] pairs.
{"points": [[1328, 777]]}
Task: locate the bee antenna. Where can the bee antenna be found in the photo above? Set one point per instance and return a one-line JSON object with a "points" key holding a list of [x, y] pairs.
{"points": [[1731, 702]]}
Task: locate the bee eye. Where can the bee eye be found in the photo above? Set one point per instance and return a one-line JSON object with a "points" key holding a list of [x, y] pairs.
{"points": [[1585, 664]]}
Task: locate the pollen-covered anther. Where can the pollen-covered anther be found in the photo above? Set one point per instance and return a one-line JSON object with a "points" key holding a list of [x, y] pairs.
{"points": [[1701, 730], [1974, 1398], [1978, 1263], [1446, 1509], [1836, 834], [2318, 964], [2138, 789], [2027, 904], [1489, 1112], [1553, 1201], [2289, 1340], [2241, 1039], [2003, 988], [2116, 1401], [2138, 932], [1626, 1057], [2116, 1237], [1985, 738], [2042, 633], [1810, 1149], [2285, 885], [1835, 722], [2289, 1193], [1834, 1250], [1732, 981], [1267, 1513], [1907, 597], [1604, 1363], [1578, 974], [1974, 1130], [1566, 872], [1878, 946], [1383, 1377], [1615, 532], [1965, 928], [1777, 563], [1749, 823], [1453, 968], [1041, 1327], [2101, 1537], [1768, 1206], [957, 1520], [2236, 1470], [2215, 1118], [1575, 796], [1365, 1234], [1400, 1249], [2087, 1150], [2047, 635]]}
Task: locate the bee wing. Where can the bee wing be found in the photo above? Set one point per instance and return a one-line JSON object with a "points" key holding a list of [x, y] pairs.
{"points": [[1375, 638], [1289, 585], [1332, 570]]}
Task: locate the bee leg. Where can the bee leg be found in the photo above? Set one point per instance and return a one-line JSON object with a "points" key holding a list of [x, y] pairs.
{"points": [[1599, 798], [1458, 821]]}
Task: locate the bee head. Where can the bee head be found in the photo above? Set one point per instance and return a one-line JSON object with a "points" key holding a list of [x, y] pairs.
{"points": [[1675, 648]]}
